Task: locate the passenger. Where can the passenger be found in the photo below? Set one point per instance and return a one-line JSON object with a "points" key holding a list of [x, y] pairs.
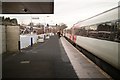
{"points": [[59, 35]]}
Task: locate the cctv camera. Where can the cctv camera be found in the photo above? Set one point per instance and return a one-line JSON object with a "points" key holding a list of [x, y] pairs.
{"points": [[25, 9]]}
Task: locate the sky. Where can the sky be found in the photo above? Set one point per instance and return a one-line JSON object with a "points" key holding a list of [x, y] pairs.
{"points": [[68, 12]]}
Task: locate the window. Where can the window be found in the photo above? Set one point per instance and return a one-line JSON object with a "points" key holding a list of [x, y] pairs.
{"points": [[76, 31], [108, 26], [117, 31], [106, 31], [82, 31], [93, 31]]}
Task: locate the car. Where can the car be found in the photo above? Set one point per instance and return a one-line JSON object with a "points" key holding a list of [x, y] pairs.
{"points": [[40, 38]]}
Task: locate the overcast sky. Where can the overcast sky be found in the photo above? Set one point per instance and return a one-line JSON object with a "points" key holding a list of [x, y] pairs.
{"points": [[69, 11]]}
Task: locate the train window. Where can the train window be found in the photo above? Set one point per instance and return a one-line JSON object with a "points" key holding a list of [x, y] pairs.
{"points": [[117, 31], [76, 31], [105, 26], [105, 31], [93, 31], [80, 31], [93, 28], [110, 26], [83, 31], [87, 28]]}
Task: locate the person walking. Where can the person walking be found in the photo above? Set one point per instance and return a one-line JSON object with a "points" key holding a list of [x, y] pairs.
{"points": [[58, 33]]}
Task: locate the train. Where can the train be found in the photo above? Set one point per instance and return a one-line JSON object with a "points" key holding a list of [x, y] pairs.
{"points": [[100, 35]]}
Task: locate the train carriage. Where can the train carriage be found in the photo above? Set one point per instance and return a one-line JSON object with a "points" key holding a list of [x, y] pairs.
{"points": [[100, 35]]}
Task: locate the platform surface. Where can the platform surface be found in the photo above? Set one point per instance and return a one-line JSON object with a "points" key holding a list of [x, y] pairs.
{"points": [[55, 58], [43, 60], [83, 67]]}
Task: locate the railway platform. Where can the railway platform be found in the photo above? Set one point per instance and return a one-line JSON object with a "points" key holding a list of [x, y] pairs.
{"points": [[55, 58], [83, 66]]}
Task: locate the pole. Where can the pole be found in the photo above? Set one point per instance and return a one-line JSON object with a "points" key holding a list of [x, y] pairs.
{"points": [[19, 45], [31, 41]]}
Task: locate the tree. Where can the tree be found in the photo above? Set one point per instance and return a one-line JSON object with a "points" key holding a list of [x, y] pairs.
{"points": [[1, 20], [14, 21], [8, 21], [31, 24], [61, 26]]}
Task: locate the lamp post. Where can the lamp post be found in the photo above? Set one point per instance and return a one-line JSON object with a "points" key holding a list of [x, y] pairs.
{"points": [[33, 18], [45, 25], [31, 29]]}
